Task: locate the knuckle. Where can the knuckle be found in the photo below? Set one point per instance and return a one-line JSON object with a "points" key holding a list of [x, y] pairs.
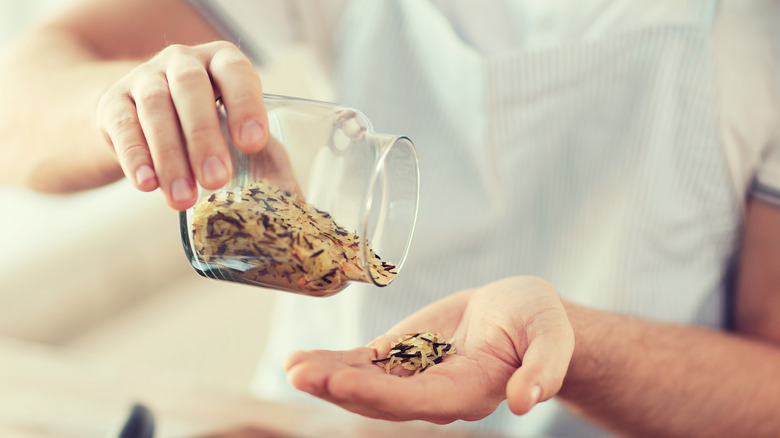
{"points": [[169, 152], [153, 95], [102, 105], [175, 50], [122, 122], [112, 104], [242, 107], [224, 46], [204, 136], [187, 75], [230, 58], [116, 117], [107, 99], [132, 152], [233, 63]]}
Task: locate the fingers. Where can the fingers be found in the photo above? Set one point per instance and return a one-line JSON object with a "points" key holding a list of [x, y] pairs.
{"points": [[193, 98], [242, 93], [428, 396], [160, 124], [349, 379], [315, 377], [162, 120], [355, 357], [309, 371], [544, 366], [123, 129], [440, 395]]}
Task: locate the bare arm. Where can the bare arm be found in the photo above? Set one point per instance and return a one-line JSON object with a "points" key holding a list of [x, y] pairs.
{"points": [[648, 379], [636, 377], [113, 87]]}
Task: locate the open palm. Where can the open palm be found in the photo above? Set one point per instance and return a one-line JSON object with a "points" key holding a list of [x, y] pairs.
{"points": [[512, 338]]}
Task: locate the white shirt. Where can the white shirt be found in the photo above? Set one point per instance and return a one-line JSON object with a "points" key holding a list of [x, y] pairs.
{"points": [[606, 146]]}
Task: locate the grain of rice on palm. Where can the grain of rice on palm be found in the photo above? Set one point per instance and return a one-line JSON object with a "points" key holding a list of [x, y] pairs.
{"points": [[417, 352]]}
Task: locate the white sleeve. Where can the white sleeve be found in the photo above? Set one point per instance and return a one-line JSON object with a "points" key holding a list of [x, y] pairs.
{"points": [[265, 29]]}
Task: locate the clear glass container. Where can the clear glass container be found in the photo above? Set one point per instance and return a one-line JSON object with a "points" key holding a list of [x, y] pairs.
{"points": [[327, 202]]}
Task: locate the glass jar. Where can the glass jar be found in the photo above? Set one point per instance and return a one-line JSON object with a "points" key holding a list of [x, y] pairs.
{"points": [[327, 202]]}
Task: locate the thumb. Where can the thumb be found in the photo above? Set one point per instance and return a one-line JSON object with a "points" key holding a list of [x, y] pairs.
{"points": [[543, 368]]}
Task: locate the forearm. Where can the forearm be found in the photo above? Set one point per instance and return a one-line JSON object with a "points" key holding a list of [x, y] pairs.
{"points": [[53, 78], [648, 379], [51, 85]]}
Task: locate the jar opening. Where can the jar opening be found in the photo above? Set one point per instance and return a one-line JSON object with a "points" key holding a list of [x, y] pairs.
{"points": [[391, 205]]}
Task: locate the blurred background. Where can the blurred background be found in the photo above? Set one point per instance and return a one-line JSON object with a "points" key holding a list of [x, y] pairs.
{"points": [[103, 272]]}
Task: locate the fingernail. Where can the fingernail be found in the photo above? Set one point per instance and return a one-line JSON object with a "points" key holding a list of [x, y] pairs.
{"points": [[251, 132], [536, 392], [181, 190], [214, 170], [144, 174]]}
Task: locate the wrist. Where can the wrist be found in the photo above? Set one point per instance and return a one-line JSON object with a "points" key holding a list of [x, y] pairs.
{"points": [[592, 359]]}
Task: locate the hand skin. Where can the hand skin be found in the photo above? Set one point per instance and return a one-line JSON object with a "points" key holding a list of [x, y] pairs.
{"points": [[495, 327], [126, 99], [635, 377]]}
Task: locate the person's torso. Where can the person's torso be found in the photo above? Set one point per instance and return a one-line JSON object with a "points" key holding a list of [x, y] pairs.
{"points": [[576, 141]]}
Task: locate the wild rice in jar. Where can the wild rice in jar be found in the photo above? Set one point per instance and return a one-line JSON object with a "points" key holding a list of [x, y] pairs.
{"points": [[268, 236]]}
